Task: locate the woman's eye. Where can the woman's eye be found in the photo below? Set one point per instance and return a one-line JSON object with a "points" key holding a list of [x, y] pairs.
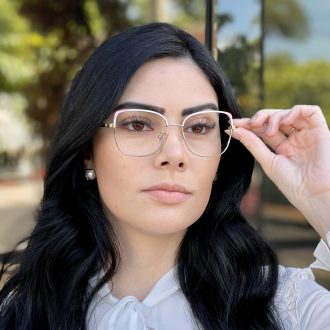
{"points": [[136, 126], [201, 128]]}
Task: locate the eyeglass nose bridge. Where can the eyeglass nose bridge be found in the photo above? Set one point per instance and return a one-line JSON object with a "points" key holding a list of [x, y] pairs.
{"points": [[162, 136], [169, 125]]}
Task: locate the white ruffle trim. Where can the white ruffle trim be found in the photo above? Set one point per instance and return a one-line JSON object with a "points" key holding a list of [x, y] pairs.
{"points": [[322, 255], [287, 294]]}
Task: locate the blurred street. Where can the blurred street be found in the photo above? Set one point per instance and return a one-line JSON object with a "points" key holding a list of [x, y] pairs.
{"points": [[18, 202]]}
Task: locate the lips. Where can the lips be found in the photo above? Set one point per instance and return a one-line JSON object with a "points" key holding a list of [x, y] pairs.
{"points": [[168, 193]]}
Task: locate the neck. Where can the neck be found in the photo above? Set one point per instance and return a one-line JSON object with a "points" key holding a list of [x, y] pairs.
{"points": [[144, 260]]}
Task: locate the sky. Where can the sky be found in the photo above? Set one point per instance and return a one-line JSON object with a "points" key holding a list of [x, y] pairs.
{"points": [[315, 46]]}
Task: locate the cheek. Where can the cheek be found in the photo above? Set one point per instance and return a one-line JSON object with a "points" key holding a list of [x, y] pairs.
{"points": [[208, 172], [114, 181], [205, 175], [113, 172]]}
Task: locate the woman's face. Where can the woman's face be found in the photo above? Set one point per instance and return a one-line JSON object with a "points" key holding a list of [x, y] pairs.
{"points": [[166, 192]]}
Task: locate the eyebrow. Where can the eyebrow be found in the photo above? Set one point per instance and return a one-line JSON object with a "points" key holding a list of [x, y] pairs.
{"points": [[185, 112]]}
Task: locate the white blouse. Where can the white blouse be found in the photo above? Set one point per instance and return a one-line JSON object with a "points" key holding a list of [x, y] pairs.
{"points": [[299, 302]]}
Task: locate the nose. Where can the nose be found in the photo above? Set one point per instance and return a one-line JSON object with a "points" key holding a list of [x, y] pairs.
{"points": [[173, 152]]}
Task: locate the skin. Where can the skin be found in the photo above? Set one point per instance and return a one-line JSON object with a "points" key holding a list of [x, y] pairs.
{"points": [[299, 162], [149, 230]]}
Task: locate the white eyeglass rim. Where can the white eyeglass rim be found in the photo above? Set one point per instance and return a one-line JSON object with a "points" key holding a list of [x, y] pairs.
{"points": [[230, 128]]}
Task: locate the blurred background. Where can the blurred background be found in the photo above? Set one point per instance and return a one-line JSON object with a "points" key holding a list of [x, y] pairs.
{"points": [[276, 54]]}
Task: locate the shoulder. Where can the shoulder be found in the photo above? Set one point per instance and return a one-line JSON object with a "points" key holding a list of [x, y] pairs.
{"points": [[299, 300]]}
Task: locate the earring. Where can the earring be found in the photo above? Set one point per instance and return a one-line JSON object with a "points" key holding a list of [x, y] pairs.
{"points": [[90, 175]]}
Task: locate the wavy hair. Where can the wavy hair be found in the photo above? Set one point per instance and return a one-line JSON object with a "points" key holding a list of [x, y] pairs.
{"points": [[226, 271]]}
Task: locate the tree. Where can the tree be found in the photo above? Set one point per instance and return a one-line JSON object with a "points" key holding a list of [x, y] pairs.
{"points": [[286, 18], [70, 30], [16, 42], [241, 60], [290, 83], [44, 42]]}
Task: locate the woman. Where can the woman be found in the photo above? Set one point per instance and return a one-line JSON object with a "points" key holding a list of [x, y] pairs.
{"points": [[140, 226]]}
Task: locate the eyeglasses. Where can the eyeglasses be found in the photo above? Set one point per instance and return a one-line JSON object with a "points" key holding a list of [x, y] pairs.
{"points": [[141, 133]]}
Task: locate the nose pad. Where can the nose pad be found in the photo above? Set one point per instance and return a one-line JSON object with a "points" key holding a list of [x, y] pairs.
{"points": [[171, 154], [176, 142], [162, 137]]}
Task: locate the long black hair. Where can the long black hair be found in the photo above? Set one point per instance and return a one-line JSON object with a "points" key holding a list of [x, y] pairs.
{"points": [[226, 271]]}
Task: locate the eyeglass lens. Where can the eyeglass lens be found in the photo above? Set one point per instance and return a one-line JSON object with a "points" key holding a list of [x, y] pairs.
{"points": [[141, 133]]}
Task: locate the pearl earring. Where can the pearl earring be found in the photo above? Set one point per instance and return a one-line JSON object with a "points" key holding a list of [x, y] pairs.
{"points": [[90, 175]]}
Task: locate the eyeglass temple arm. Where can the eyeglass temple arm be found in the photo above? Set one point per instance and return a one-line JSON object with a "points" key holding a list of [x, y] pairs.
{"points": [[111, 125]]}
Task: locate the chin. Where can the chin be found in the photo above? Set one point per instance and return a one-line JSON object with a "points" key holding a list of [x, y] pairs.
{"points": [[168, 225]]}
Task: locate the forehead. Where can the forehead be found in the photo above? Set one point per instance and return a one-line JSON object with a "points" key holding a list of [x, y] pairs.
{"points": [[169, 83]]}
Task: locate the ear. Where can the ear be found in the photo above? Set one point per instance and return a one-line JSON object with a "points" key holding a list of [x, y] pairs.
{"points": [[88, 159]]}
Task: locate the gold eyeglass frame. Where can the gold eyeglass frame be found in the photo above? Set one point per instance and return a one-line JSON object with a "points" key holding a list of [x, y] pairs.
{"points": [[165, 134]]}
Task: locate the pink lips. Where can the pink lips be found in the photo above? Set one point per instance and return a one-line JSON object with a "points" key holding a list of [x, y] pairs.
{"points": [[168, 194]]}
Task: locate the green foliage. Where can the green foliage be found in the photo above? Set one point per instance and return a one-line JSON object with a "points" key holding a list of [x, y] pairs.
{"points": [[44, 42], [184, 13], [16, 42], [223, 19], [188, 12], [285, 17], [10, 20], [241, 60], [238, 62], [289, 83], [42, 45], [97, 24]]}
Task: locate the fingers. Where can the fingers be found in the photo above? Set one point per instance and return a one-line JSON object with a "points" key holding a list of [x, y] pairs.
{"points": [[276, 125], [272, 118], [301, 115], [257, 148], [262, 131]]}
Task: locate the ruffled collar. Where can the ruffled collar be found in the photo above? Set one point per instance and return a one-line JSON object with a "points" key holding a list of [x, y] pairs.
{"points": [[165, 287], [109, 312]]}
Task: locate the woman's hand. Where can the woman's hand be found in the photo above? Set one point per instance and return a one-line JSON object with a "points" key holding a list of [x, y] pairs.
{"points": [[299, 162]]}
